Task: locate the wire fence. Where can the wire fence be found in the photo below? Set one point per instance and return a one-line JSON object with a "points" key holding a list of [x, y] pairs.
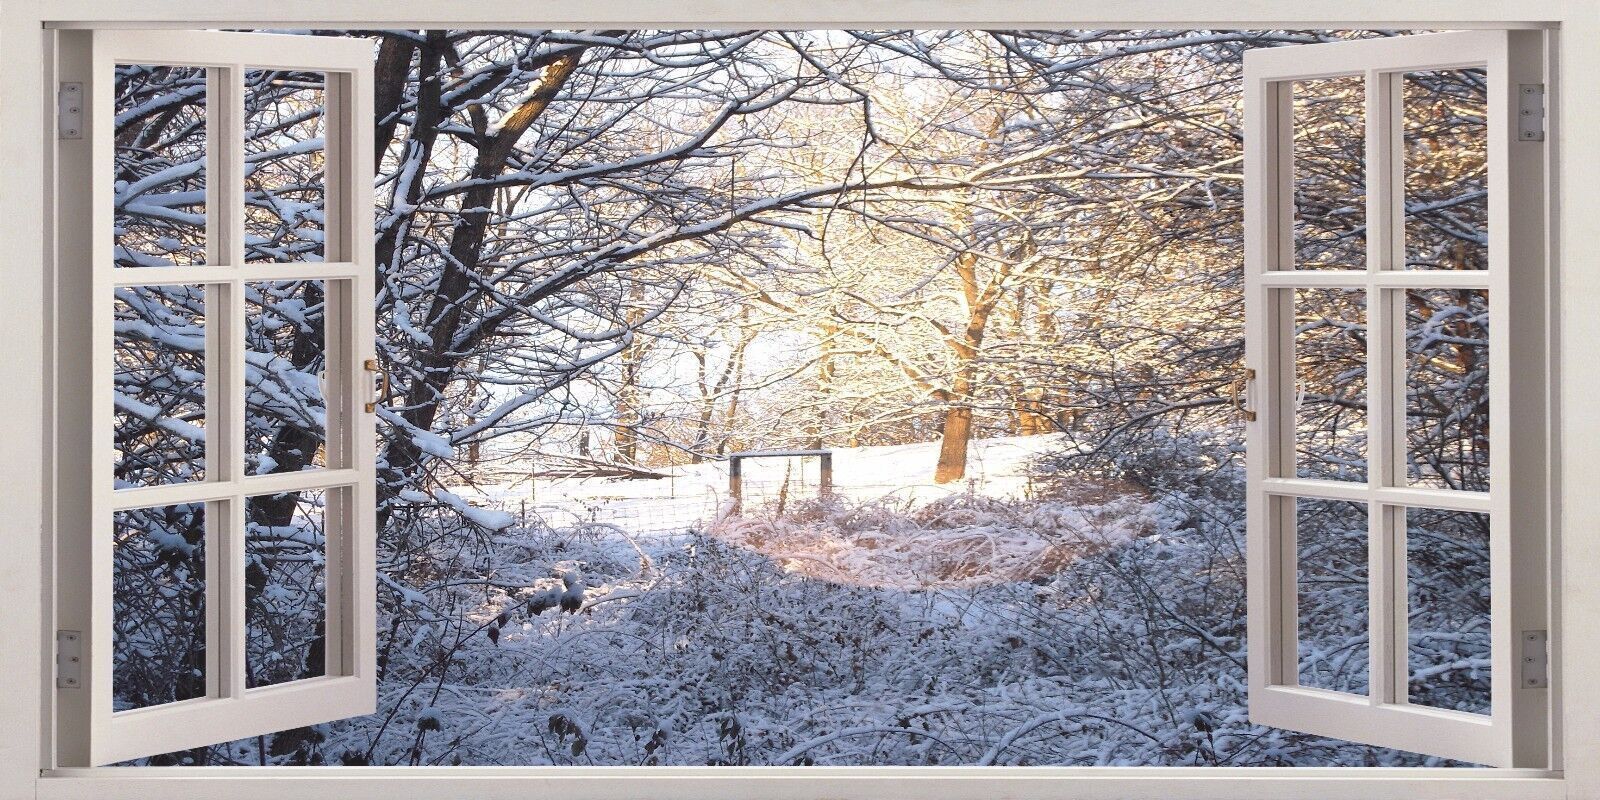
{"points": [[674, 513], [691, 498], [640, 516]]}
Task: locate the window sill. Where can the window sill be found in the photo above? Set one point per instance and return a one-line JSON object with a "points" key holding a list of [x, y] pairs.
{"points": [[773, 783]]}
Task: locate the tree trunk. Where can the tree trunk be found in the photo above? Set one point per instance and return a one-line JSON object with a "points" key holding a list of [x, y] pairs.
{"points": [[953, 443], [825, 413], [957, 432], [436, 365], [629, 395]]}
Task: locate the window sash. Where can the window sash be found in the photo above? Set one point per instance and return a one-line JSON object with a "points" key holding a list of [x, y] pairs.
{"points": [[230, 708], [1515, 732]]}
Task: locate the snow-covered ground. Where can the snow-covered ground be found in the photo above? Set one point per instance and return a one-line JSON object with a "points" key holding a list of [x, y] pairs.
{"points": [[691, 495], [1079, 621]]}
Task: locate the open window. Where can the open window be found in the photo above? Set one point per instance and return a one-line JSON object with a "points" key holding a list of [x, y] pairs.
{"points": [[1399, 400], [228, 427], [226, 418]]}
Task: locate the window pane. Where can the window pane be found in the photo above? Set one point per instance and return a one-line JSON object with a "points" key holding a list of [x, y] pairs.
{"points": [[1446, 173], [285, 407], [286, 606], [1447, 571], [1331, 554], [158, 610], [1330, 353], [159, 170], [1330, 173], [159, 358], [285, 184], [1447, 388]]}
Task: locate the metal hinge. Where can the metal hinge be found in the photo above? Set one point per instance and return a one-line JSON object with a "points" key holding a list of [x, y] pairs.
{"points": [[69, 659], [69, 111], [1535, 660], [1530, 112]]}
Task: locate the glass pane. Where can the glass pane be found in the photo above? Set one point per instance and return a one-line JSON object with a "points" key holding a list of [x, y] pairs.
{"points": [[1447, 388], [159, 357], [1447, 607], [159, 169], [1447, 166], [286, 604], [1330, 354], [285, 185], [1331, 558], [285, 408], [1330, 154], [158, 610]]}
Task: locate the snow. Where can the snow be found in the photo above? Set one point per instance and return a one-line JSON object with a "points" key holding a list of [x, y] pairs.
{"points": [[692, 495], [485, 518], [432, 444], [1033, 616], [1013, 620], [970, 544], [402, 323]]}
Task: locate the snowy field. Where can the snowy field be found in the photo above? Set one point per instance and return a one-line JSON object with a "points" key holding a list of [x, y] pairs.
{"points": [[692, 495], [1076, 621]]}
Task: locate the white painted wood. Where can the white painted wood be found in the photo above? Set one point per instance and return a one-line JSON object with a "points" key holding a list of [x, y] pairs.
{"points": [[1262, 101], [1516, 731], [250, 485], [230, 710], [801, 783], [1362, 279], [217, 48], [68, 405], [263, 271], [38, 333], [97, 634], [1528, 295], [240, 714], [1129, 14], [1368, 56], [1368, 493]]}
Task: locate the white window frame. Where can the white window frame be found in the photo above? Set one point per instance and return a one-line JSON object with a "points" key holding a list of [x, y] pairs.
{"points": [[230, 710], [27, 623], [1516, 731]]}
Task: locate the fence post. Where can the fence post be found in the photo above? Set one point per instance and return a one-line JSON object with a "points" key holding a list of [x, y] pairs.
{"points": [[736, 482], [826, 488]]}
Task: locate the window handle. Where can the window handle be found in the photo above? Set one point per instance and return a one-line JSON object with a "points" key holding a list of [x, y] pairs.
{"points": [[379, 385], [1239, 394]]}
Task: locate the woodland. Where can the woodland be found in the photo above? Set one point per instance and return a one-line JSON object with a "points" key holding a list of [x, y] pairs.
{"points": [[618, 255]]}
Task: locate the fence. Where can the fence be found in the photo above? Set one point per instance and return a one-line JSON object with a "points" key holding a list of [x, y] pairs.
{"points": [[673, 515], [774, 483]]}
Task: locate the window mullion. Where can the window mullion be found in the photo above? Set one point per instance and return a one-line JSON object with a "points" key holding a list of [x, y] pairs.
{"points": [[1385, 383], [341, 366], [230, 388]]}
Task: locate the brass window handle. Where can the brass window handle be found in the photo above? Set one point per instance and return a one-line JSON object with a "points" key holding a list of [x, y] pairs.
{"points": [[1239, 394], [380, 386]]}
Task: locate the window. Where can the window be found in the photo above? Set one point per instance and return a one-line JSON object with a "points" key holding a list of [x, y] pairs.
{"points": [[1422, 364], [214, 281], [231, 451]]}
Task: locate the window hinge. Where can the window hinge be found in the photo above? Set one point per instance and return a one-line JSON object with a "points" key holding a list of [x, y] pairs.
{"points": [[69, 659], [1530, 112], [69, 111], [1535, 659]]}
